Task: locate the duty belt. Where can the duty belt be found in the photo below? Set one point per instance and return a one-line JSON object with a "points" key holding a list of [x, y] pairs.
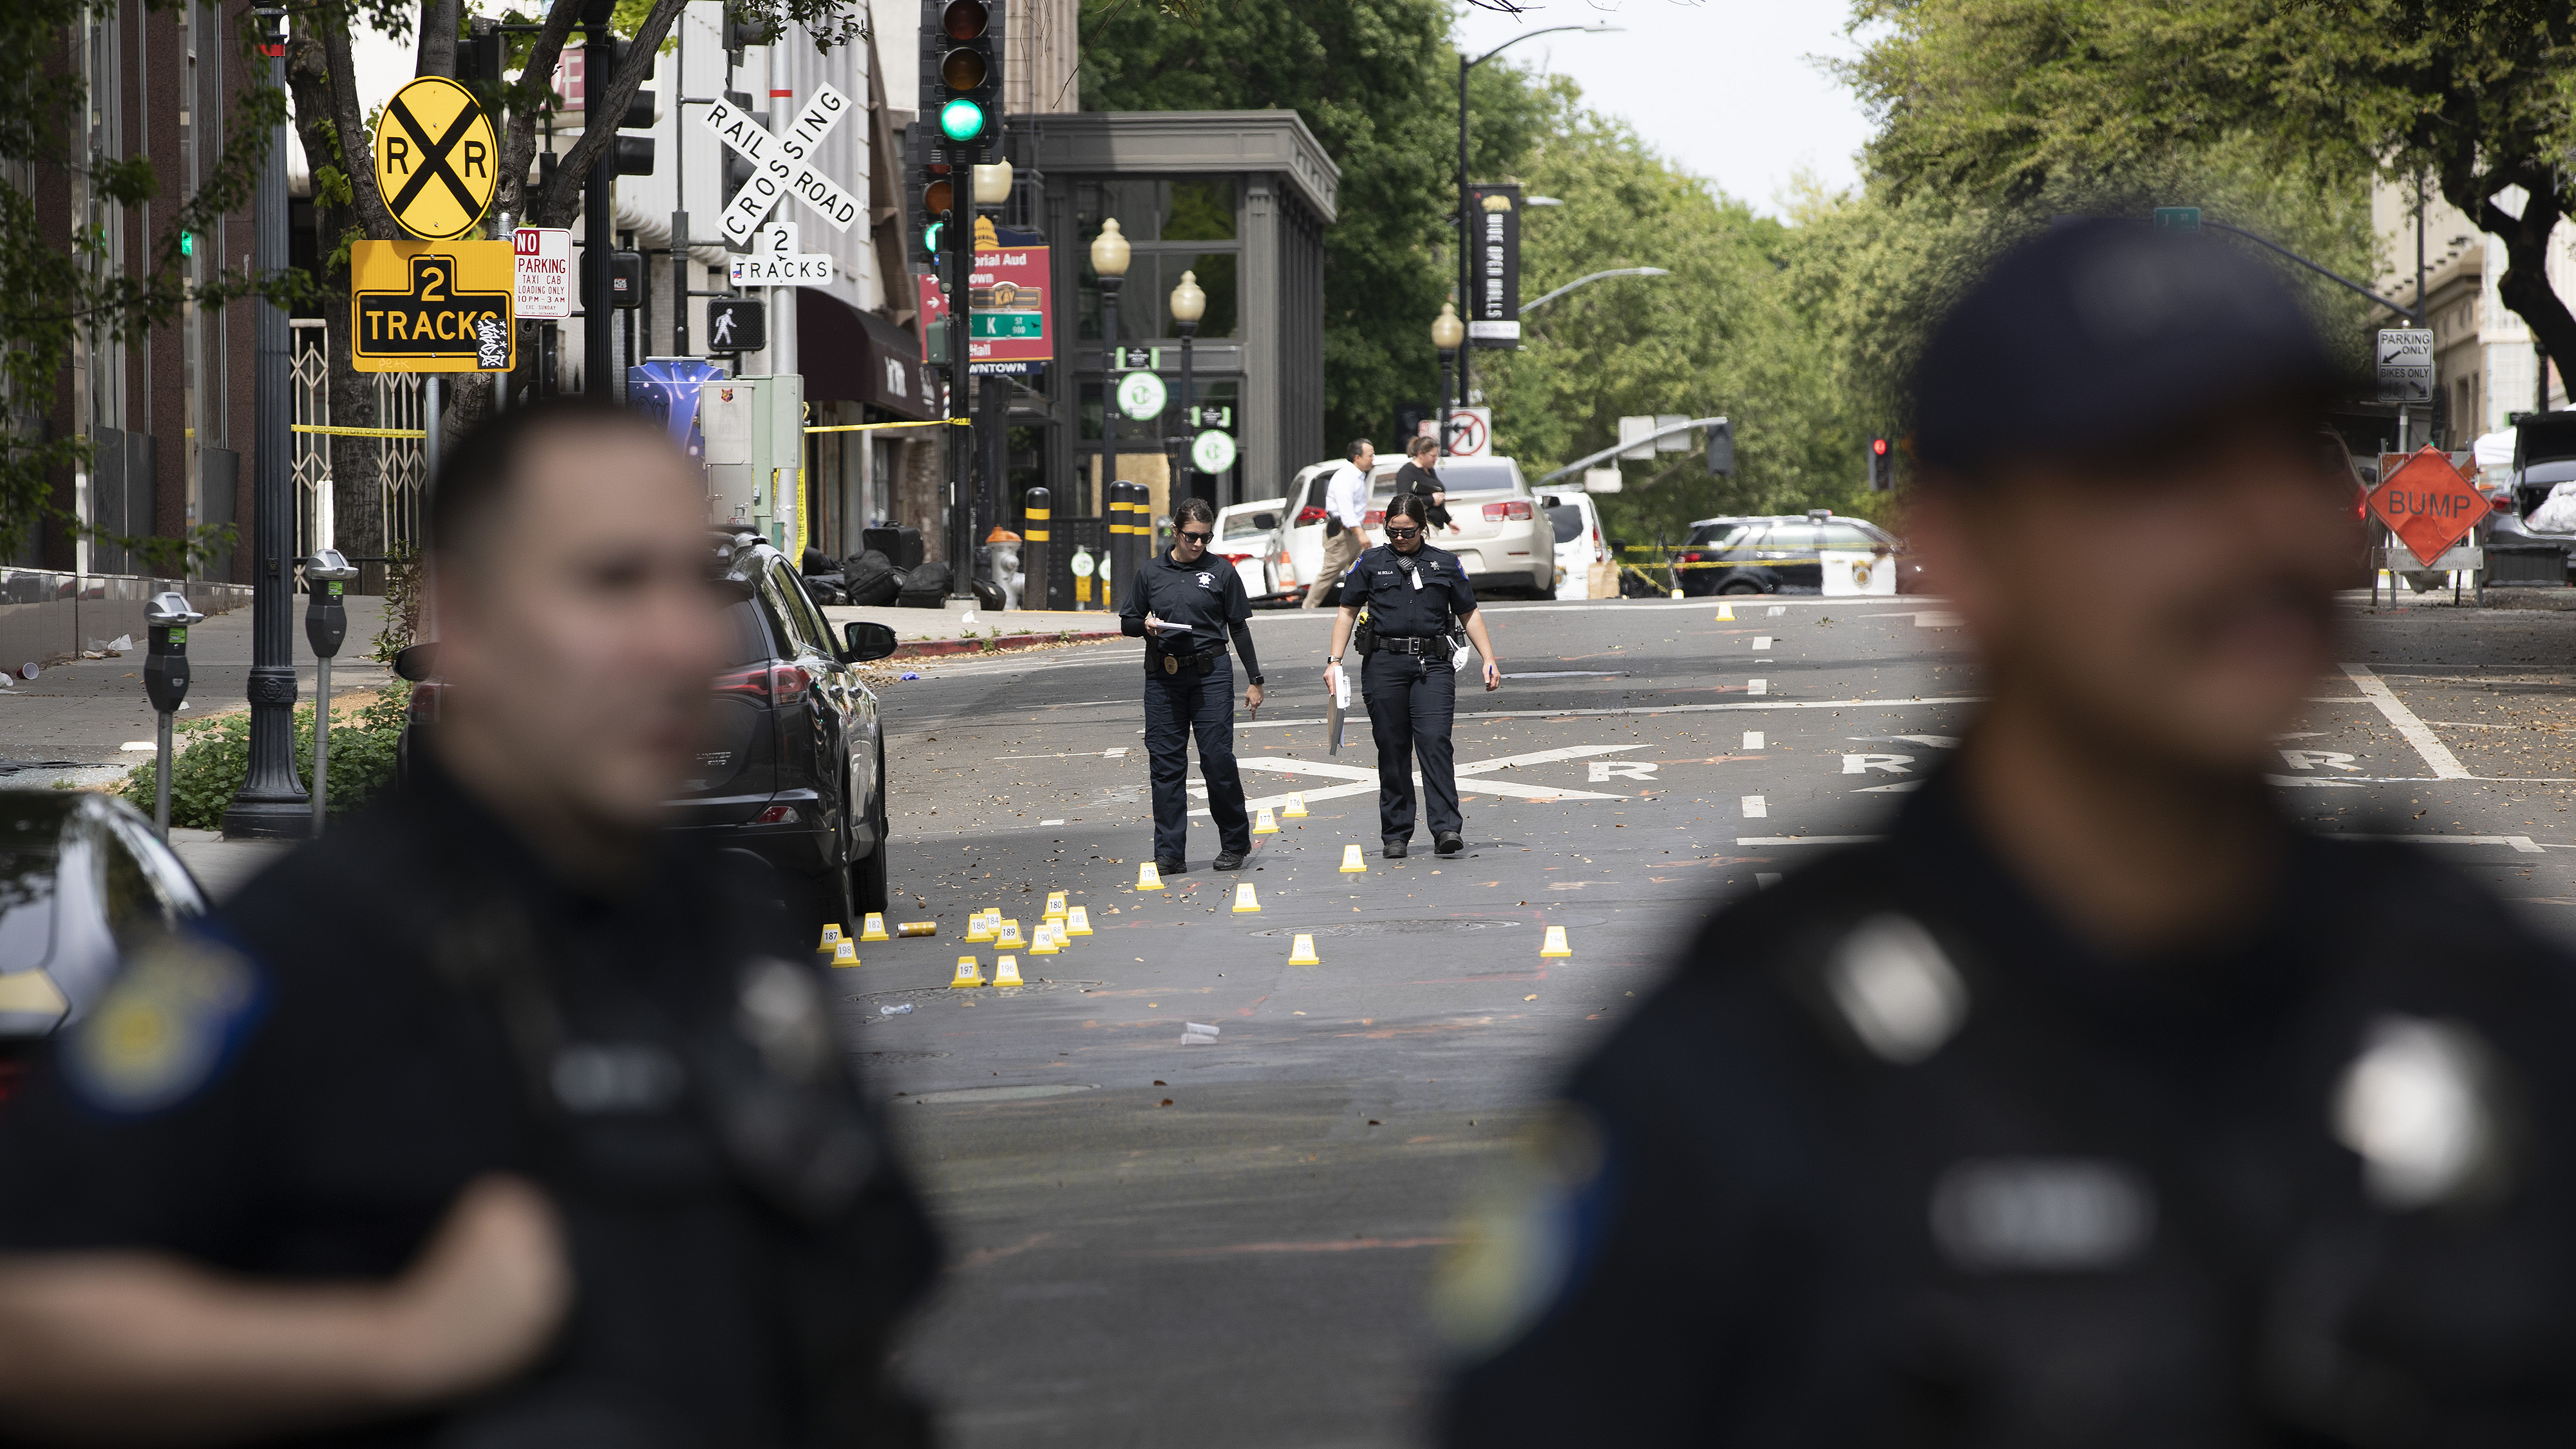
{"points": [[1201, 663], [1434, 645]]}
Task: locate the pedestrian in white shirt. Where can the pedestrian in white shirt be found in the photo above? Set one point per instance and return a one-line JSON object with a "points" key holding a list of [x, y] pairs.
{"points": [[1345, 511]]}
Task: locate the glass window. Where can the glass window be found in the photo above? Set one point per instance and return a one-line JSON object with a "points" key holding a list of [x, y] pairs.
{"points": [[1474, 476], [124, 885], [27, 899], [1722, 534], [804, 623], [1847, 535], [1790, 537], [1202, 209], [1216, 277], [748, 640], [1250, 525]]}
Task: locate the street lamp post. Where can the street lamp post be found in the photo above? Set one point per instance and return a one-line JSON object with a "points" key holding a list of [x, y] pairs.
{"points": [[1109, 254], [271, 803], [1447, 332], [992, 403], [1466, 281], [1189, 304]]}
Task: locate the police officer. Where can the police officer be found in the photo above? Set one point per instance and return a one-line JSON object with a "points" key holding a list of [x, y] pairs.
{"points": [[1419, 602], [502, 1117], [1184, 604], [2099, 1103]]}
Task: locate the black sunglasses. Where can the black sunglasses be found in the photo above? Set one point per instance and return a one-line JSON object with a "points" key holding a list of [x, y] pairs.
{"points": [[1196, 537], [1402, 532]]}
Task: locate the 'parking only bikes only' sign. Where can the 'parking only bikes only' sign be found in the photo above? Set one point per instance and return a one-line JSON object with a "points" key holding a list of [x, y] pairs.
{"points": [[2405, 364], [2427, 504]]}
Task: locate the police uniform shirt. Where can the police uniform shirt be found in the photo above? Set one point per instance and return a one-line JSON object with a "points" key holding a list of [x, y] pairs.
{"points": [[1207, 596], [1895, 1157], [298, 1095], [1415, 595]]}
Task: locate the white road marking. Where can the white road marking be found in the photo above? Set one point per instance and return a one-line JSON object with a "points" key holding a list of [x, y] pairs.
{"points": [[1282, 724], [1753, 739], [2444, 764], [1114, 753], [1761, 641], [2316, 782], [1775, 611], [1603, 770], [2522, 844], [1884, 764], [139, 745], [1755, 808], [1757, 686], [1050, 822], [1884, 789], [2310, 759], [1363, 778], [1572, 674]]}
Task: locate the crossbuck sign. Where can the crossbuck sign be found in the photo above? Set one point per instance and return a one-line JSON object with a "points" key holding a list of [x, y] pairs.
{"points": [[783, 164]]}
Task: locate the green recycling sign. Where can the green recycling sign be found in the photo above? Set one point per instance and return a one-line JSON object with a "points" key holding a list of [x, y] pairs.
{"points": [[1212, 451]]}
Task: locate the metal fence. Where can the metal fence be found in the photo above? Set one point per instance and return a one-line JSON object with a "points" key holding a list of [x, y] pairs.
{"points": [[404, 462]]}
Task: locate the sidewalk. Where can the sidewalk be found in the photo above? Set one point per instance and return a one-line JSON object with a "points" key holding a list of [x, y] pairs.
{"points": [[73, 721], [960, 620]]}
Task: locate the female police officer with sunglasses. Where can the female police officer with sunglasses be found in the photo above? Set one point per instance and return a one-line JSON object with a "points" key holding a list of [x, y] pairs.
{"points": [[1184, 604], [1418, 601]]}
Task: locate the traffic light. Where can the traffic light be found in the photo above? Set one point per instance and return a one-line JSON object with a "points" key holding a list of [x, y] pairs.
{"points": [[961, 76], [479, 58], [1882, 465], [737, 173], [1721, 448]]}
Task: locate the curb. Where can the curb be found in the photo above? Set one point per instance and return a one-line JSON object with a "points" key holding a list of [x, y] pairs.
{"points": [[933, 648]]}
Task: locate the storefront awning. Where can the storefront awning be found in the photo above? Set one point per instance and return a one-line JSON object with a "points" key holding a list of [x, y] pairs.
{"points": [[853, 356]]}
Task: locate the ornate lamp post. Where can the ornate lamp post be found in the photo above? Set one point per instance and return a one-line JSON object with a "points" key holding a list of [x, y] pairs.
{"points": [[1188, 305], [1447, 334], [1109, 253]]}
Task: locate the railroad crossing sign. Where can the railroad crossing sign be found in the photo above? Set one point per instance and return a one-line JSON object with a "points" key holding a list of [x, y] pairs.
{"points": [[437, 161], [420, 306], [782, 164], [775, 262], [2427, 504]]}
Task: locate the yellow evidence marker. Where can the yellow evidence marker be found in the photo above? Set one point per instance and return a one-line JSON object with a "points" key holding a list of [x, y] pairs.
{"points": [[1296, 808], [979, 928], [968, 974], [845, 952], [1265, 823], [1009, 936], [1006, 971], [875, 929], [1046, 943], [1245, 902], [1726, 613], [1055, 906], [831, 934], [1352, 863], [1555, 945], [1302, 952], [1077, 922], [1148, 878]]}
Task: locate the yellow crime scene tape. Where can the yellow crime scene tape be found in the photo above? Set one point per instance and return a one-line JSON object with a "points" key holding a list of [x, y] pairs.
{"points": [[358, 432], [871, 427]]}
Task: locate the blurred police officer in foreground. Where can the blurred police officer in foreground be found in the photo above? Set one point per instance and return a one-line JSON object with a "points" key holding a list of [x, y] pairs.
{"points": [[1421, 611], [1184, 605], [494, 1120], [2098, 1104]]}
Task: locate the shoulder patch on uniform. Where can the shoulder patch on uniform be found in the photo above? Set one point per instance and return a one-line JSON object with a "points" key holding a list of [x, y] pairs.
{"points": [[1528, 1235], [179, 1008], [1896, 989]]}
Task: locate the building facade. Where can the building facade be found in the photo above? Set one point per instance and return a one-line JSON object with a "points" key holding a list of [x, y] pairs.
{"points": [[2486, 368]]}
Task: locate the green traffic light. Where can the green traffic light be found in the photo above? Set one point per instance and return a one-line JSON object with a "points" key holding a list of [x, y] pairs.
{"points": [[961, 120], [930, 238]]}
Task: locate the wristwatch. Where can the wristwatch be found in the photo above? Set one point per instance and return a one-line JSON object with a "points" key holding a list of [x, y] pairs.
{"points": [[1332, 659], [1257, 681]]}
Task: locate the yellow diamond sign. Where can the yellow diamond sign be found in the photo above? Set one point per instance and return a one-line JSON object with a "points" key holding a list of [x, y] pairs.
{"points": [[437, 160]]}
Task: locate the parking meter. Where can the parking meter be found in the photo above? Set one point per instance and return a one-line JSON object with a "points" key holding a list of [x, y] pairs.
{"points": [[326, 624], [165, 680]]}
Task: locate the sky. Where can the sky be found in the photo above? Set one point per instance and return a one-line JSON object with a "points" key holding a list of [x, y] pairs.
{"points": [[1725, 88]]}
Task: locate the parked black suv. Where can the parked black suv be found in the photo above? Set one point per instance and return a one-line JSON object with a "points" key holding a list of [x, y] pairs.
{"points": [[794, 771]]}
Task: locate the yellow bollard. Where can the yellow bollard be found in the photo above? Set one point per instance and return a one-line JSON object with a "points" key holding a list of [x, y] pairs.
{"points": [[1302, 951]]}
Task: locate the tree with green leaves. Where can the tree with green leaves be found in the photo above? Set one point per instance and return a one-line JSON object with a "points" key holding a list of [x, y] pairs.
{"points": [[56, 279], [2009, 98], [1376, 81]]}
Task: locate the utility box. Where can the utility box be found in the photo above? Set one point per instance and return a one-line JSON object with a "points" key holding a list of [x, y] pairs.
{"points": [[755, 431]]}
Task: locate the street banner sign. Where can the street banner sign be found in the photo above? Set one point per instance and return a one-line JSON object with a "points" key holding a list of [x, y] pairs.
{"points": [[1471, 432], [2427, 504], [775, 261], [419, 306], [1007, 319], [2405, 364], [782, 164], [1141, 395], [737, 324], [1212, 452], [542, 284], [1494, 265], [437, 160]]}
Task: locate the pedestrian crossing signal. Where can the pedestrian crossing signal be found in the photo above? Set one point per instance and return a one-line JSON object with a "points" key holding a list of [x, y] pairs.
{"points": [[737, 324]]}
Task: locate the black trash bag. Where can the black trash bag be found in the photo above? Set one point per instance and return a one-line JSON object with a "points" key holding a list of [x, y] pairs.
{"points": [[925, 587], [871, 579]]}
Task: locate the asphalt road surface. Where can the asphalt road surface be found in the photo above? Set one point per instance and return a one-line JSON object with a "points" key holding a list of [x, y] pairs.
{"points": [[1155, 1242]]}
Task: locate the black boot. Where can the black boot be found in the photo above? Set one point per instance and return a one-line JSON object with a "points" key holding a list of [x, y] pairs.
{"points": [[1394, 850], [1449, 842], [1230, 859]]}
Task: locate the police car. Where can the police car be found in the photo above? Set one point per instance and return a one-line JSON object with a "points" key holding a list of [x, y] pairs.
{"points": [[1769, 554]]}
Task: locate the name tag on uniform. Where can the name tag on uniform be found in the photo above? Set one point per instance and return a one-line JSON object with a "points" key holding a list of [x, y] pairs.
{"points": [[1417, 577]]}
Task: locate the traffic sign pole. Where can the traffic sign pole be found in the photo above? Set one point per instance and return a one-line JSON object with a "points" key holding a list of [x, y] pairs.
{"points": [[598, 208]]}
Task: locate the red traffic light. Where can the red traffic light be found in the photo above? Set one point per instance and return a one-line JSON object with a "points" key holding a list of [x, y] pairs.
{"points": [[1878, 446], [965, 19]]}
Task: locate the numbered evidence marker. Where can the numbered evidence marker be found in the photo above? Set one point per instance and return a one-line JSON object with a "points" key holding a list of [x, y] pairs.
{"points": [[781, 164], [437, 161], [775, 261], [418, 306]]}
